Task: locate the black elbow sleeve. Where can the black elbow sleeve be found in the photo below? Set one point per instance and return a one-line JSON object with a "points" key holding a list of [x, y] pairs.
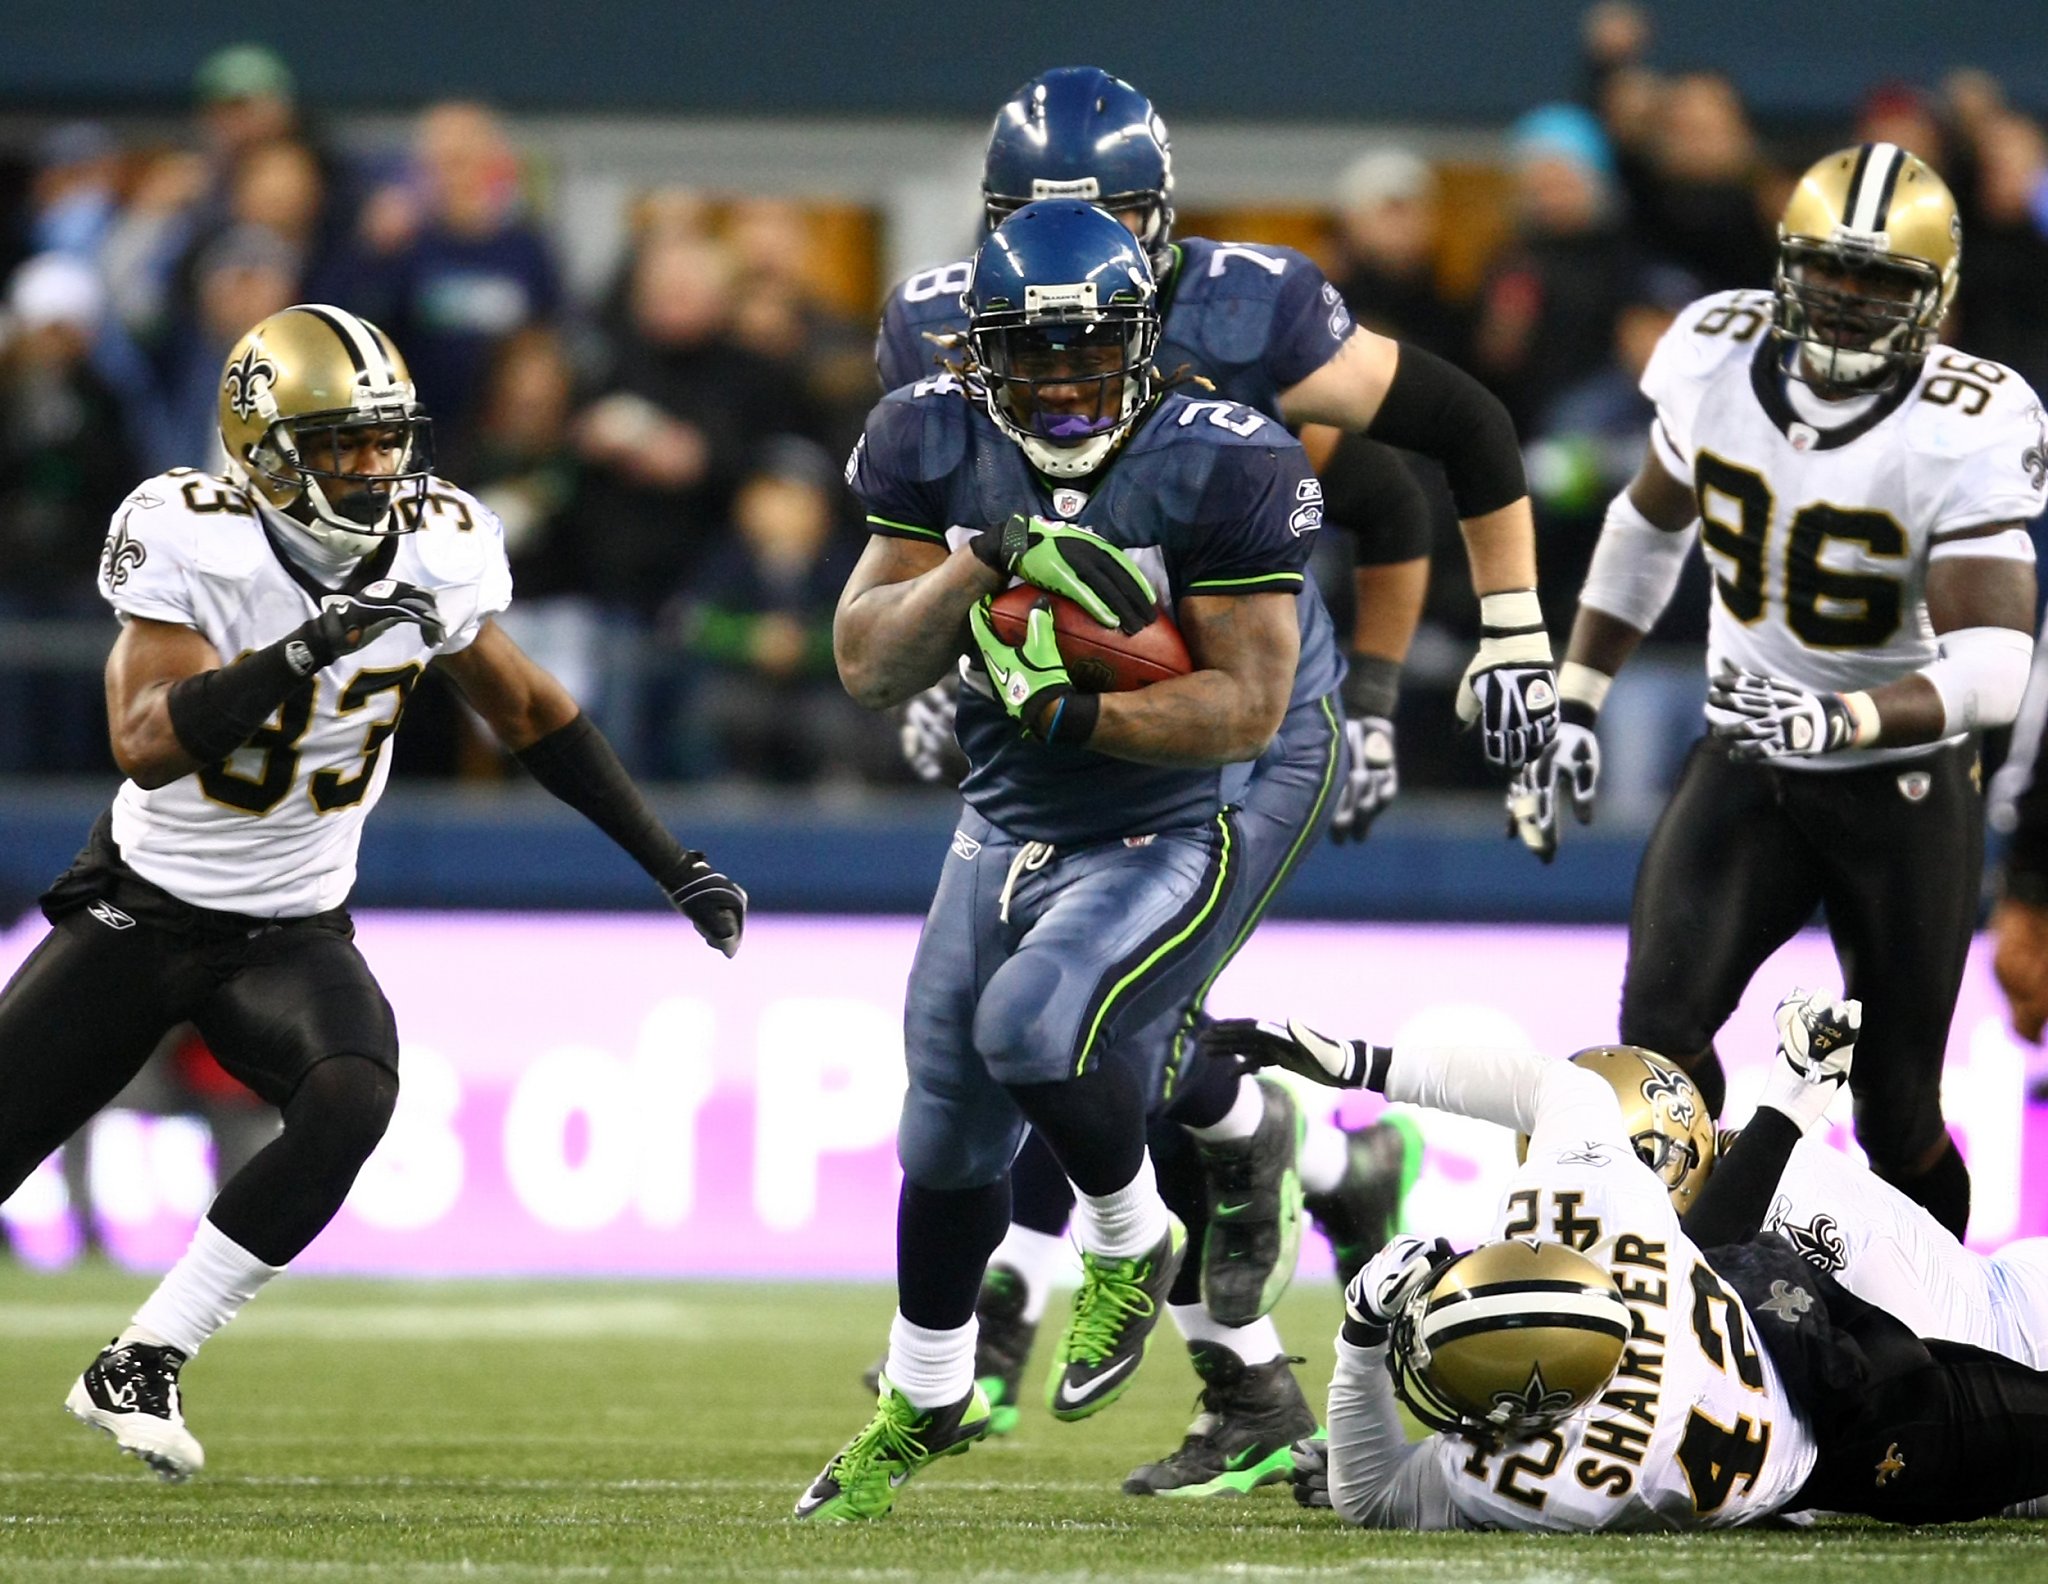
{"points": [[1436, 408]]}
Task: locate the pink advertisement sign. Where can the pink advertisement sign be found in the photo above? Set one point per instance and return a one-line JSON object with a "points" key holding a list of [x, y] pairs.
{"points": [[601, 1095]]}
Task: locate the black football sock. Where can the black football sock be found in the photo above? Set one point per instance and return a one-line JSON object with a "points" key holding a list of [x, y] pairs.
{"points": [[944, 1237]]}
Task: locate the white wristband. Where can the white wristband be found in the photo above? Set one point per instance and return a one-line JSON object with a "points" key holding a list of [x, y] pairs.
{"points": [[1636, 566], [1581, 684], [1509, 609]]}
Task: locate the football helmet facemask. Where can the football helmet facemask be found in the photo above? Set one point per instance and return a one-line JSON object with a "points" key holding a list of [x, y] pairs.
{"points": [[306, 398], [1869, 250], [1063, 319], [1665, 1113], [1078, 132], [1508, 1339]]}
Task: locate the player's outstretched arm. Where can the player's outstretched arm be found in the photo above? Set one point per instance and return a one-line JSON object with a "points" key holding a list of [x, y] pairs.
{"points": [[533, 715]]}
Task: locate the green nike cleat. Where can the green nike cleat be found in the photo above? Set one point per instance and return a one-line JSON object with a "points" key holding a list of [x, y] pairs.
{"points": [[863, 1477], [1363, 1211], [1002, 1345], [1250, 1418], [1116, 1307], [1254, 1193]]}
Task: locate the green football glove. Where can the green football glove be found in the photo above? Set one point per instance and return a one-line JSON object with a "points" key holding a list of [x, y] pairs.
{"points": [[1030, 678], [1088, 569]]}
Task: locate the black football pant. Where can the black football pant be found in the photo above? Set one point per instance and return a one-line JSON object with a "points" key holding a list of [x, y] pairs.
{"points": [[292, 1012], [1742, 856]]}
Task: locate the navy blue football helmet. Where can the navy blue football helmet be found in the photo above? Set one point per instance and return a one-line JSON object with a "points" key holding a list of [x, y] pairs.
{"points": [[1077, 132], [1063, 319]]}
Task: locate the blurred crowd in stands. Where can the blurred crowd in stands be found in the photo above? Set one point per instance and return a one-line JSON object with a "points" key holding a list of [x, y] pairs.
{"points": [[666, 456]]}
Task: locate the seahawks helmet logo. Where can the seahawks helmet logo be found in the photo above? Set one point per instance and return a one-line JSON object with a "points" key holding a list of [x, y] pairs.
{"points": [[247, 380], [1673, 1092]]}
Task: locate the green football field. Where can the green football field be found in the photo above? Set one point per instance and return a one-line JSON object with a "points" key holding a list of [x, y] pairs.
{"points": [[535, 1432]]}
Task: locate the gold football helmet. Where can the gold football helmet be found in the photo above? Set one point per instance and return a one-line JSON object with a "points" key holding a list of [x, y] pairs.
{"points": [[1665, 1113], [1868, 253], [1507, 1339], [306, 395]]}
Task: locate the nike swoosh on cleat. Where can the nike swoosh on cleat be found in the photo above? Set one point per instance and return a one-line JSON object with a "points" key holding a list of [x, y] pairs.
{"points": [[1069, 1394], [1236, 1209]]}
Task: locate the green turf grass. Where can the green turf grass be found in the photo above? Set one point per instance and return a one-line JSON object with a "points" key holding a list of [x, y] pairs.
{"points": [[529, 1433]]}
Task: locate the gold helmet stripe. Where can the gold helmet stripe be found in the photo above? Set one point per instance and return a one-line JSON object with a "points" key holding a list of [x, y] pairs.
{"points": [[1870, 186], [363, 348], [1565, 1305]]}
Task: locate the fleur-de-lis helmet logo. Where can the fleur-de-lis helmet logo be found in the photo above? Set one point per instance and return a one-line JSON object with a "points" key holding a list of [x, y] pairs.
{"points": [[1673, 1091], [247, 379]]}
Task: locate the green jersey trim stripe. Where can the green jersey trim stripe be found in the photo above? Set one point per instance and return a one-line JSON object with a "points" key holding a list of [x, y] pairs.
{"points": [[1289, 579], [1309, 827], [1219, 886], [909, 528]]}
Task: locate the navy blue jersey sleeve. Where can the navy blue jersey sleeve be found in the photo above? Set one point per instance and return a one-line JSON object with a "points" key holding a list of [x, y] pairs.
{"points": [[898, 463], [1261, 507], [1310, 322], [924, 307]]}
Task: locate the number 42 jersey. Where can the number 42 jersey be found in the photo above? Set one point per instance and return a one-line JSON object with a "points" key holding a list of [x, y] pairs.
{"points": [[1820, 519], [272, 831]]}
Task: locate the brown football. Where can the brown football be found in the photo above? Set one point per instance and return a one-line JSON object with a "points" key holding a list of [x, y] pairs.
{"points": [[1100, 659]]}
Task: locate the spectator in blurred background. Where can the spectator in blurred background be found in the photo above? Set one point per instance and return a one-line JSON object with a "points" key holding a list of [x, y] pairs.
{"points": [[759, 619], [75, 195], [679, 409], [64, 468], [1547, 312], [245, 274], [1695, 203], [778, 313], [2001, 302], [1386, 239], [452, 264]]}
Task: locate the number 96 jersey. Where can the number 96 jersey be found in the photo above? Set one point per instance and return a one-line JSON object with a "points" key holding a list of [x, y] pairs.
{"points": [[272, 830], [1819, 519]]}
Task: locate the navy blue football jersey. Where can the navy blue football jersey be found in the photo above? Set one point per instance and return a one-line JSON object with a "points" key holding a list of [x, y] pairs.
{"points": [[1208, 497], [1252, 320]]}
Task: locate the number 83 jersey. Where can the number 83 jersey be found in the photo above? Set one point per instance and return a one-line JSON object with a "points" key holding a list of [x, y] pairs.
{"points": [[1820, 519], [273, 830]]}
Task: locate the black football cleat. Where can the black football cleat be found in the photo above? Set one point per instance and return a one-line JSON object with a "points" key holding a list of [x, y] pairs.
{"points": [[1241, 1439], [1254, 1193], [1363, 1211]]}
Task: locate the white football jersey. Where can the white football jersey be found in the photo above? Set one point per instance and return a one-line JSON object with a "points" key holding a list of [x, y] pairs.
{"points": [[1889, 1251], [273, 830], [1695, 1431], [1819, 519]]}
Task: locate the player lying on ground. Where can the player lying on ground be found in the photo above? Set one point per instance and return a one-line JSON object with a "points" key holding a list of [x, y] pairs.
{"points": [[1596, 1369]]}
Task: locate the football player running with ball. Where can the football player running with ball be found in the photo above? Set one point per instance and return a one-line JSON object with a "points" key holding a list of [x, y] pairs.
{"points": [[273, 624], [1260, 326], [1097, 848], [1860, 492]]}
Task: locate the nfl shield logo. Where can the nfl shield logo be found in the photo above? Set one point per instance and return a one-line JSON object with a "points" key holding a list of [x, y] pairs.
{"points": [[1802, 436], [1069, 503], [1915, 785]]}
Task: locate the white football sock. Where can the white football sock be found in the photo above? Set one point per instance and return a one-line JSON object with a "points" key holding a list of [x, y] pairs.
{"points": [[1124, 1224], [201, 1293], [1035, 1256], [1257, 1343], [1241, 1121], [932, 1369], [1325, 1156]]}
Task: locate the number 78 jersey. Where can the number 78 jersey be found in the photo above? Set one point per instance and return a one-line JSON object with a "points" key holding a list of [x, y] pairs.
{"points": [[272, 831], [1819, 520], [1695, 1431]]}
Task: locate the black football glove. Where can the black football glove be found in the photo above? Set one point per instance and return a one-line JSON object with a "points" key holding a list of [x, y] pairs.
{"points": [[1077, 562], [715, 904], [349, 621], [1335, 1063]]}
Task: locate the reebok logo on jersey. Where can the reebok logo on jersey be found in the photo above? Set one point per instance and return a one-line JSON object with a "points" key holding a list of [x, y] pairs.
{"points": [[965, 846], [110, 915], [1914, 785]]}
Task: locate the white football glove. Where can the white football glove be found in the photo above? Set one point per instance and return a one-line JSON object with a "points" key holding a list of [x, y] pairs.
{"points": [[1571, 765], [1341, 1064], [1387, 1284], [1816, 1049], [1374, 780], [926, 732], [1762, 717], [1510, 688]]}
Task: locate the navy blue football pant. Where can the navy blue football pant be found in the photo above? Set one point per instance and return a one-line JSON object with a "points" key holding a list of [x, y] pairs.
{"points": [[1283, 811]]}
